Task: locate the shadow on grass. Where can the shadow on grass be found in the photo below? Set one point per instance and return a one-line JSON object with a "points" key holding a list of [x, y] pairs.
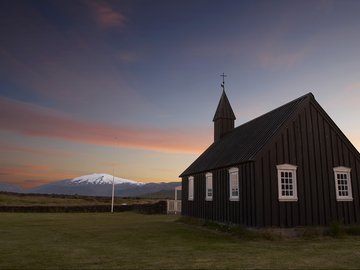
{"points": [[335, 230], [238, 231]]}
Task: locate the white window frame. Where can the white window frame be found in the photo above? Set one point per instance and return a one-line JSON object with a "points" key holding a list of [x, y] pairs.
{"points": [[345, 171], [191, 188], [287, 172], [209, 186], [234, 175]]}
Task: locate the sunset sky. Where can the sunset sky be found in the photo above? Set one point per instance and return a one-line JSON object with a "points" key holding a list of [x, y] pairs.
{"points": [[87, 86]]}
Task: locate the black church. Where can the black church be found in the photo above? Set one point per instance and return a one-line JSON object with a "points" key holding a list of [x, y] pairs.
{"points": [[289, 167]]}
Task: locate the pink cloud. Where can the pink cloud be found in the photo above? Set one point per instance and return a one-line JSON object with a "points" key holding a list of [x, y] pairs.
{"points": [[106, 16], [74, 86], [30, 150], [280, 59], [31, 120], [353, 88], [41, 173], [273, 54]]}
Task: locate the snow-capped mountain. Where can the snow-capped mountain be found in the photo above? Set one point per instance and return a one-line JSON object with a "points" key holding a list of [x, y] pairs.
{"points": [[98, 184], [102, 179]]}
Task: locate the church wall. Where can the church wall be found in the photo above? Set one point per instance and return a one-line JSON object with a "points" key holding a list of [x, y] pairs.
{"points": [[313, 143], [221, 209]]}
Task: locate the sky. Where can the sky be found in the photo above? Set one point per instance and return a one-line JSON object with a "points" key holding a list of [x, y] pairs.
{"points": [[131, 87]]}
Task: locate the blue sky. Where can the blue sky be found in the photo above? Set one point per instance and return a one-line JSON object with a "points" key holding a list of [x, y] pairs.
{"points": [[89, 85]]}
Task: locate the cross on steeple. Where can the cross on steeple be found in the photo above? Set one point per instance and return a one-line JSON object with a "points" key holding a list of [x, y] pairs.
{"points": [[223, 82]]}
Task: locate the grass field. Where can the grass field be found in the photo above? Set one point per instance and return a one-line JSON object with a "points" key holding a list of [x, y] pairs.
{"points": [[134, 241], [18, 199]]}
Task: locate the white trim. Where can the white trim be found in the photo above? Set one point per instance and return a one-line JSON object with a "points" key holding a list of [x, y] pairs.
{"points": [[176, 192], [191, 188], [286, 166], [174, 206], [209, 191], [233, 169], [234, 179], [287, 173], [346, 172], [342, 169]]}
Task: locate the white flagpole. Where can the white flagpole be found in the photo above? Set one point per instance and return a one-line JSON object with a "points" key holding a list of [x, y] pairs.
{"points": [[113, 183], [113, 192]]}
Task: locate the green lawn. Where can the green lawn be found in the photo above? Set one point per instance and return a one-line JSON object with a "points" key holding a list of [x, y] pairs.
{"points": [[7, 199], [134, 241]]}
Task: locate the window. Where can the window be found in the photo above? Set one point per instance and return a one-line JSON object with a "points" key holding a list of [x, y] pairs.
{"points": [[287, 185], [209, 187], [343, 184], [234, 184], [191, 188]]}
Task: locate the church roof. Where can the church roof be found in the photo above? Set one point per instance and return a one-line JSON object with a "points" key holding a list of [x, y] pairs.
{"points": [[244, 142], [224, 109]]}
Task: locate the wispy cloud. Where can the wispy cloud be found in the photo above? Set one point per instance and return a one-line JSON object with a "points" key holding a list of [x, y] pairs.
{"points": [[31, 120], [353, 87], [74, 68], [276, 49], [106, 16], [271, 59], [40, 174], [78, 82], [31, 150]]}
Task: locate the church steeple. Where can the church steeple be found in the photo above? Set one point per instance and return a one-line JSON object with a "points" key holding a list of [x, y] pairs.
{"points": [[224, 118]]}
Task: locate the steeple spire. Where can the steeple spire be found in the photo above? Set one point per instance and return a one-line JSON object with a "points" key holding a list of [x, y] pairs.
{"points": [[224, 118], [224, 110]]}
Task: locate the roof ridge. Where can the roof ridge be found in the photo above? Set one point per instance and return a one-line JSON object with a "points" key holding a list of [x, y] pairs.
{"points": [[308, 95]]}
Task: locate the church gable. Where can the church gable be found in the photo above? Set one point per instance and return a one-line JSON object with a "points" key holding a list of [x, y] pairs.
{"points": [[313, 143]]}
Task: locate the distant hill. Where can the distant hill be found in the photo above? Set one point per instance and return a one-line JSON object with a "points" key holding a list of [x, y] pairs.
{"points": [[10, 188], [147, 189], [162, 194]]}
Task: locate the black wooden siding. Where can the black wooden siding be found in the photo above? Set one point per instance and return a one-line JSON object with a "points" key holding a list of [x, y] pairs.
{"points": [[308, 139], [222, 127], [316, 146], [221, 208]]}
